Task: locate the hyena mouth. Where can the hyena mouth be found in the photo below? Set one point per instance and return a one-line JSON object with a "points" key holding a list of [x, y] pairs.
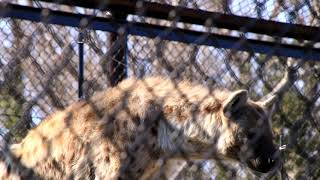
{"points": [[262, 164], [265, 157]]}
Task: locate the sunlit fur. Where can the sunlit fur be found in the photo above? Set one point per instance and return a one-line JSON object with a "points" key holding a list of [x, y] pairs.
{"points": [[125, 130]]}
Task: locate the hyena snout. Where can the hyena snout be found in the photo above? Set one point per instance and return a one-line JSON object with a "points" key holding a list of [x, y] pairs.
{"points": [[264, 157]]}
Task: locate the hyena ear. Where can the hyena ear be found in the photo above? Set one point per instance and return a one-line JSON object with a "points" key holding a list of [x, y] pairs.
{"points": [[236, 100]]}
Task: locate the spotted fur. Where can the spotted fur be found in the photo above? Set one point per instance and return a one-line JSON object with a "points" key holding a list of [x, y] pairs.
{"points": [[128, 131]]}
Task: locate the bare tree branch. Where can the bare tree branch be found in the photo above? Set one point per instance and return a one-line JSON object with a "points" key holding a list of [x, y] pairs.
{"points": [[284, 84]]}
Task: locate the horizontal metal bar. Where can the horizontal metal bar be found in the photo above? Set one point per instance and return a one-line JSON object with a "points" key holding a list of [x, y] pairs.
{"points": [[165, 33], [200, 17]]}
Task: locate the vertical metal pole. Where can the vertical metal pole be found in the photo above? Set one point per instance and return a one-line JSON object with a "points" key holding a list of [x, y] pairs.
{"points": [[116, 65], [81, 65]]}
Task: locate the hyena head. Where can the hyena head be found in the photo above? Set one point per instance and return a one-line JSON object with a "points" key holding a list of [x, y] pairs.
{"points": [[248, 127], [224, 124]]}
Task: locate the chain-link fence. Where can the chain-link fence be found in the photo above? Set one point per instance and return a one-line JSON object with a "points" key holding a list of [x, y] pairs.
{"points": [[54, 53]]}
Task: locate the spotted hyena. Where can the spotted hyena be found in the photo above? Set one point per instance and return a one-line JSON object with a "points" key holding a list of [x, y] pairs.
{"points": [[128, 131]]}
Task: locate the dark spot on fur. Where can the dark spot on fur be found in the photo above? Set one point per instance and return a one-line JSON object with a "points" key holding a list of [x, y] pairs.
{"points": [[154, 131], [136, 148], [90, 115], [168, 109], [112, 103], [117, 127], [109, 129], [92, 170], [107, 149], [8, 169], [135, 99], [121, 177], [136, 120], [69, 118], [107, 159], [139, 170], [212, 108], [154, 144], [125, 125]]}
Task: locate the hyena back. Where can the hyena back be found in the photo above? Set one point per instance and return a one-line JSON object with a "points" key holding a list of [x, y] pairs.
{"points": [[125, 131]]}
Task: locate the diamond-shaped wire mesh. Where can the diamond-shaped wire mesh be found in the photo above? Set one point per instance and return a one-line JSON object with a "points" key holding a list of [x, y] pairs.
{"points": [[158, 128]]}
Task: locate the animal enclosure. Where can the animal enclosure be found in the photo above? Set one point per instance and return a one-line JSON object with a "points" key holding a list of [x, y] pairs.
{"points": [[55, 53]]}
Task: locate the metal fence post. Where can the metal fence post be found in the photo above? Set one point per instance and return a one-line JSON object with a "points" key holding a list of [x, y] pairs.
{"points": [[81, 64], [117, 61]]}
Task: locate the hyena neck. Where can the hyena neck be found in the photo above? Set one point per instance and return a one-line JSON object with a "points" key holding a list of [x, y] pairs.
{"points": [[190, 137]]}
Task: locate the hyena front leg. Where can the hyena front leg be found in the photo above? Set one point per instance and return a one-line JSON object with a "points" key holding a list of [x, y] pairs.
{"points": [[11, 168], [168, 170], [173, 168], [106, 160]]}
